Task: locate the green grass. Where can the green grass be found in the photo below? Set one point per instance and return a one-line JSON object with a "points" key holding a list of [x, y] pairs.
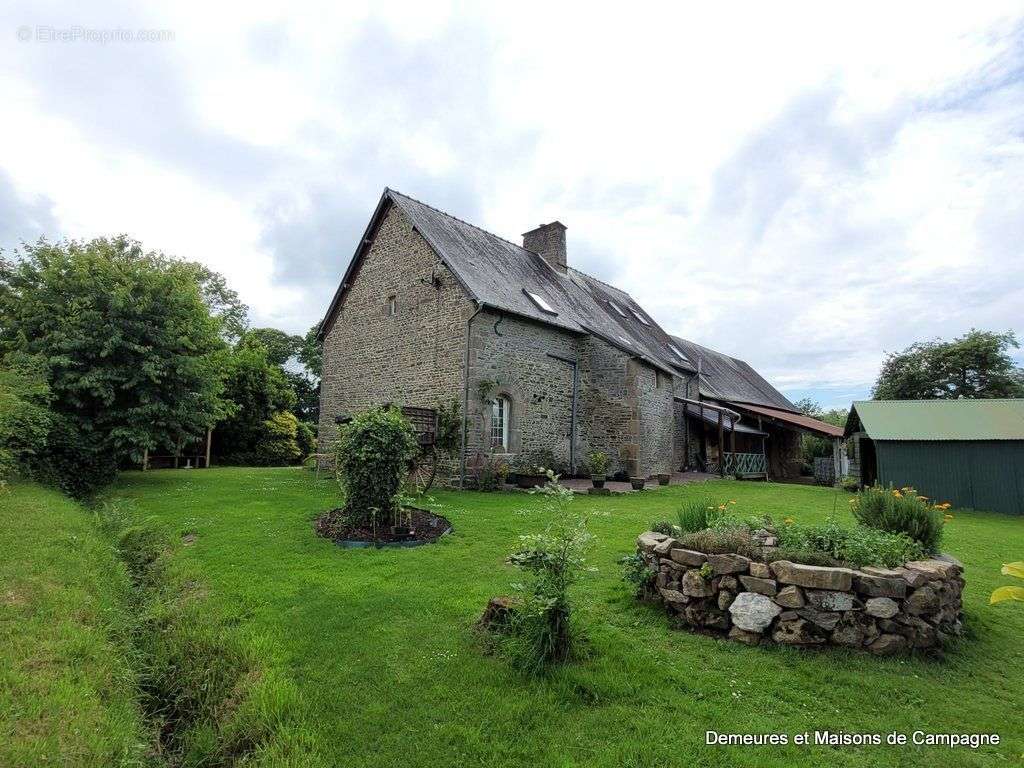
{"points": [[380, 650], [67, 691]]}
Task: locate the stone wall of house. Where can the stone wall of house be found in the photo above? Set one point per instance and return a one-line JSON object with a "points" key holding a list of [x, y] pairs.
{"points": [[516, 354], [620, 410], [608, 421], [414, 357], [884, 611], [655, 411]]}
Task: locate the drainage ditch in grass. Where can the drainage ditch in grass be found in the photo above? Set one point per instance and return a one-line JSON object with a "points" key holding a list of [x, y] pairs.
{"points": [[206, 695]]}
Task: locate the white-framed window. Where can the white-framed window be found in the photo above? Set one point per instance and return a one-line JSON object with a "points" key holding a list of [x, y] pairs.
{"points": [[616, 307], [500, 413], [392, 306]]}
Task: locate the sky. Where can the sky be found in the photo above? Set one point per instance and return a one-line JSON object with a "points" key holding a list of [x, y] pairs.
{"points": [[804, 186]]}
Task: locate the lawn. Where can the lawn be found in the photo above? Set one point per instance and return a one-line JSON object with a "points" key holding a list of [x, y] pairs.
{"points": [[381, 648], [67, 687]]}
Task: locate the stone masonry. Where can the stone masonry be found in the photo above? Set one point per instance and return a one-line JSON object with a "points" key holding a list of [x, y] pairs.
{"points": [[414, 354], [885, 611]]}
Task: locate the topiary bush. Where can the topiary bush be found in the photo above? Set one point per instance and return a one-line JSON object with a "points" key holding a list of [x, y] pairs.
{"points": [[372, 458], [901, 510]]}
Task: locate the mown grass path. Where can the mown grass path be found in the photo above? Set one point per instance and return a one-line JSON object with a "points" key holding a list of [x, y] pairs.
{"points": [[381, 646]]}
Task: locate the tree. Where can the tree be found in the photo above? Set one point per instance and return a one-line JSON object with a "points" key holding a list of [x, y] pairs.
{"points": [[259, 390], [132, 351], [812, 446], [975, 365], [310, 353], [281, 347]]}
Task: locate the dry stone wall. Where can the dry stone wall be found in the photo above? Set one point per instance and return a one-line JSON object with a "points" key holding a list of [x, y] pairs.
{"points": [[885, 611]]}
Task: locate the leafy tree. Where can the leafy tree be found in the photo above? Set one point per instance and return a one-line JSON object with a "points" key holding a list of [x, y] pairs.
{"points": [[812, 446], [132, 350], [307, 397], [975, 365], [24, 412], [223, 302], [310, 352], [258, 390], [281, 347]]}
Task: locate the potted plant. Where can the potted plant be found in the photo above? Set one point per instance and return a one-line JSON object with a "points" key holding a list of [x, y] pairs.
{"points": [[598, 461], [663, 478], [637, 483], [529, 474]]}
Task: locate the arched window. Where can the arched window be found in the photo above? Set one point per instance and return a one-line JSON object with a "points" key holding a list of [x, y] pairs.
{"points": [[500, 412]]}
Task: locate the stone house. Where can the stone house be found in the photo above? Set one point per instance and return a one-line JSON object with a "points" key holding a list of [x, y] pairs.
{"points": [[432, 309]]}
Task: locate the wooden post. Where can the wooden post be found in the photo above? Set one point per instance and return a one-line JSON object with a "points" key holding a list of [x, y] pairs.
{"points": [[209, 436], [145, 459], [177, 453], [836, 460], [721, 446]]}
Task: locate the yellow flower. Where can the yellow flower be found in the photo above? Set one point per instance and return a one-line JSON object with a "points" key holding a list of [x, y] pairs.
{"points": [[897, 494], [733, 501], [721, 507], [788, 521]]}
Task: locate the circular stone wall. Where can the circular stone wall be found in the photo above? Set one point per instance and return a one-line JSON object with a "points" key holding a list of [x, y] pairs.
{"points": [[883, 610]]}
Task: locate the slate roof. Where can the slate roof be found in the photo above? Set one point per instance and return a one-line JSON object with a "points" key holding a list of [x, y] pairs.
{"points": [[996, 419], [496, 273], [732, 380]]}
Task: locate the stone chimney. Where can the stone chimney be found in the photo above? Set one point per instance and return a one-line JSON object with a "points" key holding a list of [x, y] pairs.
{"points": [[548, 240]]}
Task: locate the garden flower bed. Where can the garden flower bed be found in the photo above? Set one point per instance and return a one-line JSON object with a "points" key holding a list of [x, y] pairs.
{"points": [[767, 599]]}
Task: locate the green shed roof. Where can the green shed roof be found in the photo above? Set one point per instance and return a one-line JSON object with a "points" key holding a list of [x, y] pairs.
{"points": [[940, 419]]}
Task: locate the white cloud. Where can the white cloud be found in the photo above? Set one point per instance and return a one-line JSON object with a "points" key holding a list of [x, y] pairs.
{"points": [[803, 186]]}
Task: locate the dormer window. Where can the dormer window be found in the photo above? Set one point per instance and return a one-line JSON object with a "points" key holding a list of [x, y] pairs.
{"points": [[638, 316], [540, 302], [678, 353], [392, 306], [616, 307]]}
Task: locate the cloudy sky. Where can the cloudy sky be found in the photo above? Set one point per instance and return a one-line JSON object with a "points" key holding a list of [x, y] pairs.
{"points": [[805, 188]]}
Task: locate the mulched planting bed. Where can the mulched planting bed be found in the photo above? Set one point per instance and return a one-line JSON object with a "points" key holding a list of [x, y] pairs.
{"points": [[427, 528]]}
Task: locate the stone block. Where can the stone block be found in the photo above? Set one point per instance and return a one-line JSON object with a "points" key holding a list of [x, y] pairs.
{"points": [[761, 570], [688, 557], [933, 569], [753, 612], [812, 576], [648, 540], [880, 586], [790, 597], [662, 547], [695, 585], [888, 644], [922, 600], [759, 585], [729, 563], [831, 600], [881, 607], [743, 636], [797, 632], [827, 620]]}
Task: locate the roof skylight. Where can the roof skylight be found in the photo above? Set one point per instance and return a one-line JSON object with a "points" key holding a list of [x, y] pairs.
{"points": [[639, 317], [616, 307], [541, 303], [678, 353]]}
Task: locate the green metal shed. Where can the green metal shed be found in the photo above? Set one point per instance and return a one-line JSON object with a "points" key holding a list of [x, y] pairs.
{"points": [[967, 452]]}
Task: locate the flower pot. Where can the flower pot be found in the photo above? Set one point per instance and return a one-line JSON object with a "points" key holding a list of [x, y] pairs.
{"points": [[530, 481], [597, 480], [663, 478], [637, 483]]}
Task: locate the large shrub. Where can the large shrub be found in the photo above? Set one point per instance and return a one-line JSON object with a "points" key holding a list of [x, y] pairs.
{"points": [[279, 444], [901, 510], [372, 459], [25, 417]]}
